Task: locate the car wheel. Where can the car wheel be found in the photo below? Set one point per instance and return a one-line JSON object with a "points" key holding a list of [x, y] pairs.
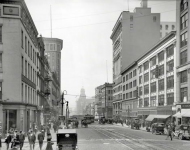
{"points": [[181, 137]]}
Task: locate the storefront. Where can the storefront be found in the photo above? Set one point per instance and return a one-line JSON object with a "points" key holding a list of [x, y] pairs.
{"points": [[182, 115]]}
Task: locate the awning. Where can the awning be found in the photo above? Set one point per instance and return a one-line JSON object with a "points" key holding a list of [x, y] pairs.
{"points": [[178, 114], [183, 113], [151, 117]]}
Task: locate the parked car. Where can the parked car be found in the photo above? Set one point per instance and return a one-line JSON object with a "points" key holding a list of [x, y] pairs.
{"points": [[182, 131], [158, 128]]}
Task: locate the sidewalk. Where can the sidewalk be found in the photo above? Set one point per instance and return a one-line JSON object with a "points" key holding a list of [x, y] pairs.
{"points": [[124, 125]]}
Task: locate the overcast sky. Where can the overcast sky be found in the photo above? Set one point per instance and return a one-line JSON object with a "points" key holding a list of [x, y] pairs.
{"points": [[85, 27]]}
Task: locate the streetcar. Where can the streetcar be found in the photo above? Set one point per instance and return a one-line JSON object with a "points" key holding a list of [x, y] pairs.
{"points": [[89, 118]]}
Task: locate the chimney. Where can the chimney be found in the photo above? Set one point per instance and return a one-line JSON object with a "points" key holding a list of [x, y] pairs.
{"points": [[144, 3]]}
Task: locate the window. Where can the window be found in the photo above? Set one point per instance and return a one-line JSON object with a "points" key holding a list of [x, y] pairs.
{"points": [[170, 66], [33, 55], [146, 89], [160, 27], [146, 77], [22, 38], [166, 27], [127, 87], [161, 56], [1, 60], [126, 77], [170, 51], [135, 93], [131, 18], [184, 21], [130, 75], [173, 27], [140, 91], [161, 85], [123, 79], [170, 99], [183, 76], [161, 70], [1, 40], [146, 65], [184, 39], [127, 96], [134, 73], [0, 90], [140, 69], [183, 94], [130, 85], [154, 18], [146, 102], [153, 101], [134, 83], [170, 82], [140, 80], [184, 4], [183, 57], [123, 96], [161, 100], [25, 68], [131, 95], [153, 61], [28, 71], [22, 63], [28, 49], [124, 88], [22, 91], [153, 74], [31, 52], [25, 44], [26, 93], [140, 103], [153, 87]]}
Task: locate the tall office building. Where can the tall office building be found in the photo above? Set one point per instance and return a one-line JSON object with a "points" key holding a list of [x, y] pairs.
{"points": [[133, 35], [53, 47]]}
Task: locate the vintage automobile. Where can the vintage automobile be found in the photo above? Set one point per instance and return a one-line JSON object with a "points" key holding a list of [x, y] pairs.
{"points": [[67, 139], [182, 131], [84, 123], [135, 124], [158, 128]]}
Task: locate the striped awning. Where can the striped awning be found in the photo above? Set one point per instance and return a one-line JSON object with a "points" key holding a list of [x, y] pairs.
{"points": [[151, 117]]}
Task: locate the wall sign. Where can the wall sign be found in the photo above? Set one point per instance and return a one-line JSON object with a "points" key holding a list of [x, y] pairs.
{"points": [[185, 106], [8, 10]]}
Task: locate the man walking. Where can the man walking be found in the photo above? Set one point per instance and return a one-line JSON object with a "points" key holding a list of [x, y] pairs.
{"points": [[169, 132], [41, 139], [21, 139], [32, 139]]}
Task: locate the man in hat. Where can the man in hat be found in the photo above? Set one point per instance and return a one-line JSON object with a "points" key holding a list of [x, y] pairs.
{"points": [[41, 139], [32, 140], [21, 139]]}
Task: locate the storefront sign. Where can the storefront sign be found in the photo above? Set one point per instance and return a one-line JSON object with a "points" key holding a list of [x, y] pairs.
{"points": [[185, 106]]}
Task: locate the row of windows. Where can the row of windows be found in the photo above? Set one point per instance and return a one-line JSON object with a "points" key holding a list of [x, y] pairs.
{"points": [[29, 95], [29, 71], [167, 27], [130, 85], [130, 95], [28, 48], [170, 100], [170, 84], [130, 75], [169, 53]]}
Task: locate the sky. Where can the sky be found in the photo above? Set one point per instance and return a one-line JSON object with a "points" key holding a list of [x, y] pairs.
{"points": [[85, 27]]}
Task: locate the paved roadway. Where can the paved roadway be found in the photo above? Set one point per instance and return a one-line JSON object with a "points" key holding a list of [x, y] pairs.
{"points": [[116, 137]]}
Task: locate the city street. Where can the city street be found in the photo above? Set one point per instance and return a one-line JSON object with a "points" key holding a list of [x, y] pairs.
{"points": [[112, 137]]}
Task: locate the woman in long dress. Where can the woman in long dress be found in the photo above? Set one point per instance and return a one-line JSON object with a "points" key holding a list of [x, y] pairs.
{"points": [[49, 143]]}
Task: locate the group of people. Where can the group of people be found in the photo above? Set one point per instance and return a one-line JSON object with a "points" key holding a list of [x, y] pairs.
{"points": [[15, 139]]}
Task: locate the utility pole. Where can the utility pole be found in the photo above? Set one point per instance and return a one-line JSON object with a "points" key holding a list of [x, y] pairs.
{"points": [[62, 103]]}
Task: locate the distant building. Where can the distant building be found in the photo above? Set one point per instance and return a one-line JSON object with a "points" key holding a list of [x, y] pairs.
{"points": [[104, 97], [53, 47], [82, 102], [167, 27], [133, 34]]}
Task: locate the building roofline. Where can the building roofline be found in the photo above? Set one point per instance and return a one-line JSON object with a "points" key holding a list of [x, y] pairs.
{"points": [[160, 42], [54, 39], [129, 67]]}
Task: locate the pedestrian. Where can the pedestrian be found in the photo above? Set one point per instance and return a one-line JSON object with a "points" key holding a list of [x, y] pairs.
{"points": [[21, 139], [36, 129], [8, 139], [48, 130], [32, 140], [49, 144], [41, 139], [169, 132], [15, 140]]}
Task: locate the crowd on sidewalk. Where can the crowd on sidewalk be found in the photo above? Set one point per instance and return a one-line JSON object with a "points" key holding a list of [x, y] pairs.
{"points": [[15, 139]]}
